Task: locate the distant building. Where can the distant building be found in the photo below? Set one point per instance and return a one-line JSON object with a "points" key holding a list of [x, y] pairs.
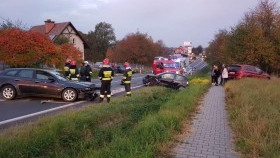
{"points": [[54, 30]]}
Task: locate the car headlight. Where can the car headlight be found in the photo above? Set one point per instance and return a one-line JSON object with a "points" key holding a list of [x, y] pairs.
{"points": [[87, 89]]}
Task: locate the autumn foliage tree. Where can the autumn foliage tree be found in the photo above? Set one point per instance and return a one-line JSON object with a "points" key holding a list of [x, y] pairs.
{"points": [[137, 48], [255, 40], [20, 48]]}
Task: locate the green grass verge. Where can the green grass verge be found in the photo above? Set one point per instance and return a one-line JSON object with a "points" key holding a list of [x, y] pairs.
{"points": [[254, 109], [130, 127]]}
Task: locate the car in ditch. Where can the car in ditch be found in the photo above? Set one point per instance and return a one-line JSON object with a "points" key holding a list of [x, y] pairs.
{"points": [[46, 83], [167, 79]]}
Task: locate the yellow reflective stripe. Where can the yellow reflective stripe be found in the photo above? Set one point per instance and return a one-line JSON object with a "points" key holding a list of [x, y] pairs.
{"points": [[129, 73], [74, 79], [101, 96], [108, 96], [127, 81], [66, 68], [72, 71], [107, 74], [124, 78], [128, 92], [106, 79]]}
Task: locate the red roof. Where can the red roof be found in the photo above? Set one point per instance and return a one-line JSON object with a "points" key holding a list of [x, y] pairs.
{"points": [[56, 30]]}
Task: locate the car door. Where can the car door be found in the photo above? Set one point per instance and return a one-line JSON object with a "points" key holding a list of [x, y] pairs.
{"points": [[25, 81], [167, 79], [46, 84], [180, 81]]}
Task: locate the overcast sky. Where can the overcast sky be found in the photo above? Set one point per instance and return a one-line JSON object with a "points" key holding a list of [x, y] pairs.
{"points": [[173, 21]]}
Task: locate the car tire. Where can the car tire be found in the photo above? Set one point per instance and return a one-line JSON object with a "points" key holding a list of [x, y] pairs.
{"points": [[9, 92], [181, 88], [69, 95]]}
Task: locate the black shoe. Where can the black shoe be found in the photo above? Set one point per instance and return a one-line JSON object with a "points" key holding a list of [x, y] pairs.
{"points": [[108, 100]]}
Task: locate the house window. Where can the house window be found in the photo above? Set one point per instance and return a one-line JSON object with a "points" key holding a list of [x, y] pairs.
{"points": [[73, 40]]}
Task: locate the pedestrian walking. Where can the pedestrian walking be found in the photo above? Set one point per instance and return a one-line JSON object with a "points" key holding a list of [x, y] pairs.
{"points": [[67, 67], [216, 74], [106, 75], [85, 72], [74, 72], [127, 78], [224, 75]]}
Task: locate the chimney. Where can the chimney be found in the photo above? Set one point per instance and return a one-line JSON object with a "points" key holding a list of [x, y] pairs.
{"points": [[49, 24]]}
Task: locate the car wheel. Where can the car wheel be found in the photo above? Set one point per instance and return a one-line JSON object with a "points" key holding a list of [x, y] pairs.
{"points": [[181, 88], [9, 92], [69, 95]]}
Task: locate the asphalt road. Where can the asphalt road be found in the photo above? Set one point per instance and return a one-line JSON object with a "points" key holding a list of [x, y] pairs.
{"points": [[29, 106]]}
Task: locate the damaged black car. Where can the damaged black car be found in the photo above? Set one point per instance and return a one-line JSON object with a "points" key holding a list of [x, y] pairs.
{"points": [[167, 79]]}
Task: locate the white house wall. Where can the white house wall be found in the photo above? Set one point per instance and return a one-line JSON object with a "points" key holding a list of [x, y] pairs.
{"points": [[78, 43]]}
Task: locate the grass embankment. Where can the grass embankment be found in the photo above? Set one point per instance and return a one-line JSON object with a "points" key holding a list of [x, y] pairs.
{"points": [[133, 127], [254, 108]]}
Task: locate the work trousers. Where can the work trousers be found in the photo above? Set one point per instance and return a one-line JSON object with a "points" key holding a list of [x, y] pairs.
{"points": [[105, 89], [127, 87]]}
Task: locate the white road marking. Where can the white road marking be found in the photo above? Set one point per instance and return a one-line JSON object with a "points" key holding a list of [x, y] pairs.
{"points": [[2, 100], [39, 113], [54, 109]]}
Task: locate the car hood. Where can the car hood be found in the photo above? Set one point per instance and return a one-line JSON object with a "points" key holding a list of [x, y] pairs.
{"points": [[77, 84]]}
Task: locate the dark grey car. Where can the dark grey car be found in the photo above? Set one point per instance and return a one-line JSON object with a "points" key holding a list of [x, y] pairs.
{"points": [[167, 79], [37, 82]]}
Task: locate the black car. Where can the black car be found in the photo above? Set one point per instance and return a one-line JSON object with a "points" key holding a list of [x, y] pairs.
{"points": [[37, 82], [168, 79]]}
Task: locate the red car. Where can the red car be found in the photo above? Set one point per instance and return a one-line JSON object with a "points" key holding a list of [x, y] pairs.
{"points": [[239, 71]]}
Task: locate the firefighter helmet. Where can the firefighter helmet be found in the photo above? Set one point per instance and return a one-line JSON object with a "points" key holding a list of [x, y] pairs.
{"points": [[126, 64], [68, 60], [73, 62], [106, 61]]}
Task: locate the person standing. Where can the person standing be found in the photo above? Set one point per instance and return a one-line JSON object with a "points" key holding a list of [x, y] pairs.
{"points": [[106, 75], [67, 67], [213, 75], [224, 75], [127, 75], [74, 72], [216, 74], [85, 72]]}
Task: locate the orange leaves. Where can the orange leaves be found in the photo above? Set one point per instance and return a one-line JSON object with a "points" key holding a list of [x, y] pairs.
{"points": [[20, 48], [137, 48]]}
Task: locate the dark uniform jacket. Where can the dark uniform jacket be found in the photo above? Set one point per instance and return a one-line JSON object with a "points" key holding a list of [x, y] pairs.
{"points": [[106, 74], [127, 76]]}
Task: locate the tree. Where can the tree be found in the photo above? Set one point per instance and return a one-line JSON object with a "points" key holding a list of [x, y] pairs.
{"points": [[20, 48], [61, 39], [198, 50], [138, 48], [99, 40], [255, 40], [9, 24]]}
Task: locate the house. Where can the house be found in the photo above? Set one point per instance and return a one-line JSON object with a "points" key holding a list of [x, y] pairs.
{"points": [[54, 30]]}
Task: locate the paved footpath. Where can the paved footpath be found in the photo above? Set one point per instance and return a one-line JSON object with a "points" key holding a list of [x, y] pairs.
{"points": [[211, 136]]}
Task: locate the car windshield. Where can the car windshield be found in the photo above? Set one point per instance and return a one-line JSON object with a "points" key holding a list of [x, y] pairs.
{"points": [[234, 68], [59, 76], [169, 65]]}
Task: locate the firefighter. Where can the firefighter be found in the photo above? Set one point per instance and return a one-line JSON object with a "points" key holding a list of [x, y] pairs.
{"points": [[67, 67], [127, 78], [106, 75], [74, 72], [85, 72]]}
